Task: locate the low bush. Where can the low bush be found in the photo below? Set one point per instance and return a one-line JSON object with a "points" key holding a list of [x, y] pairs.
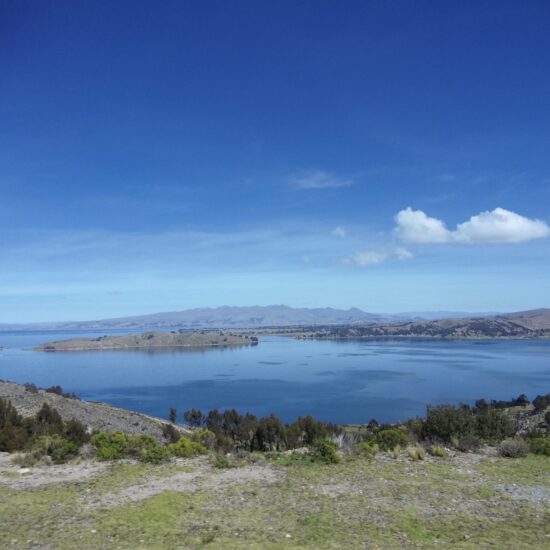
{"points": [[395, 452], [539, 445], [110, 445], [368, 450], [155, 454], [47, 422], [117, 445], [56, 447], [416, 453], [220, 460], [513, 448], [541, 402], [494, 425], [185, 448], [137, 446], [325, 450], [204, 437], [436, 451], [467, 443], [170, 433], [13, 438], [443, 422], [388, 438], [76, 432]]}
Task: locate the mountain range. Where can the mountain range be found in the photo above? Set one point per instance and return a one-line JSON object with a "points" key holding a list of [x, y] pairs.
{"points": [[239, 317]]}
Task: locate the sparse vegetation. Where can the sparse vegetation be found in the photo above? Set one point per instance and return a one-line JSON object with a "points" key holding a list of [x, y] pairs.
{"points": [[513, 448], [391, 437], [331, 494], [325, 451], [368, 449], [416, 453], [437, 451]]}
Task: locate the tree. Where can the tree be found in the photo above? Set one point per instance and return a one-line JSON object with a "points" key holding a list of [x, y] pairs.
{"points": [[194, 417], [47, 422], [173, 415]]}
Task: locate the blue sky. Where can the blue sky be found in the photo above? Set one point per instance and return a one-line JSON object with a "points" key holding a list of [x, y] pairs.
{"points": [[160, 156]]}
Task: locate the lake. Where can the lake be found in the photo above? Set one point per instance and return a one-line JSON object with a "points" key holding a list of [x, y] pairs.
{"points": [[339, 381]]}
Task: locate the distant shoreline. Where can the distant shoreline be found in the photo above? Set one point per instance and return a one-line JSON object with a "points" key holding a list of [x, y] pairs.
{"points": [[150, 341]]}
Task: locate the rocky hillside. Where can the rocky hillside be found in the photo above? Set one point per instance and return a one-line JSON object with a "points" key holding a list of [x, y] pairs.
{"points": [[96, 416], [526, 324], [149, 340]]}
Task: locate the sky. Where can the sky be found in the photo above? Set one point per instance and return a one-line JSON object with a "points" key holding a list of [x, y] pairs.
{"points": [[158, 156]]}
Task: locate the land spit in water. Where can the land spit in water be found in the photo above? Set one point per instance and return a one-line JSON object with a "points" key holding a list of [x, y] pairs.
{"points": [[150, 340]]}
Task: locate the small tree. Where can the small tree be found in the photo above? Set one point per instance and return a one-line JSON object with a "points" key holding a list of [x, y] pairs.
{"points": [[173, 415], [194, 417]]}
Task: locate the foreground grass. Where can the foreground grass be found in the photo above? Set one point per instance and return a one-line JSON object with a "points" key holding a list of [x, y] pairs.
{"points": [[355, 504]]}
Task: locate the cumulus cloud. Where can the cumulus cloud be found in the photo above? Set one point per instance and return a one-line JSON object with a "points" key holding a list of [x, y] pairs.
{"points": [[373, 257], [496, 227], [318, 179], [414, 226], [500, 226]]}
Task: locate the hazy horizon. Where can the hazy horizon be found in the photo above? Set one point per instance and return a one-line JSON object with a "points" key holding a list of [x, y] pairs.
{"points": [[427, 313]]}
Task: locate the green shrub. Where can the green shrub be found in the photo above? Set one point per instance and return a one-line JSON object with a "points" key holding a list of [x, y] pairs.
{"points": [[443, 422], [56, 447], [494, 425], [204, 437], [388, 438], [368, 450], [137, 445], [540, 445], [9, 414], [76, 432], [186, 448], [170, 433], [325, 451], [47, 422], [467, 443], [221, 461], [117, 445], [110, 445], [513, 448], [13, 438], [155, 454]]}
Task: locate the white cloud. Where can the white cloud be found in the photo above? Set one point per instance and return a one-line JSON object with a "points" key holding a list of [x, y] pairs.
{"points": [[374, 257], [500, 226], [339, 232], [319, 179], [413, 226], [496, 226]]}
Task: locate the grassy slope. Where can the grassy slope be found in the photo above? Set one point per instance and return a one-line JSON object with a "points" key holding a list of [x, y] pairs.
{"points": [[355, 504]]}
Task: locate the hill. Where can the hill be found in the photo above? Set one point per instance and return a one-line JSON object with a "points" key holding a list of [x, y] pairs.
{"points": [[524, 324], [149, 340], [223, 317], [237, 317], [28, 399]]}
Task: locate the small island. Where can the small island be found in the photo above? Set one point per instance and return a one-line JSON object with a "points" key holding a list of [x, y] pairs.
{"points": [[150, 340]]}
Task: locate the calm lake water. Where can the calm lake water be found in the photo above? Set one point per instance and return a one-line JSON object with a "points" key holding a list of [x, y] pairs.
{"points": [[338, 381]]}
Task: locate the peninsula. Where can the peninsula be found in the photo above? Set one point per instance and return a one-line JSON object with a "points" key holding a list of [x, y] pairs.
{"points": [[151, 340]]}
